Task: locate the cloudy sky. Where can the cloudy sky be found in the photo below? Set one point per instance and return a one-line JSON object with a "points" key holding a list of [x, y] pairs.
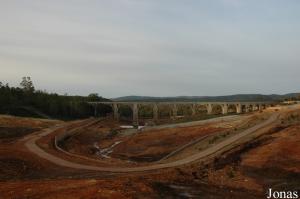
{"points": [[152, 47]]}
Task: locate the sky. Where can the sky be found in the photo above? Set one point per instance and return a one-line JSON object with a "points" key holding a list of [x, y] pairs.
{"points": [[152, 47]]}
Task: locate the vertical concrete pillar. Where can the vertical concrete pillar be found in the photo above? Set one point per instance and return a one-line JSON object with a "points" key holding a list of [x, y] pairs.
{"points": [[155, 112], [238, 108], [115, 111], [135, 114], [224, 109], [193, 109], [247, 107], [174, 110], [209, 109], [260, 107]]}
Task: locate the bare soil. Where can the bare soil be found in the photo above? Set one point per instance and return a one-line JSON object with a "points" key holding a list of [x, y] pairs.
{"points": [[246, 171]]}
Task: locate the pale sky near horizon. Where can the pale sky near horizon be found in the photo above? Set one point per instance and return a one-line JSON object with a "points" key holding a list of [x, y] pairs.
{"points": [[152, 47]]}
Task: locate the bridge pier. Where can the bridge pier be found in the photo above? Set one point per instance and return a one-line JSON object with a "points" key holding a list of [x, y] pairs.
{"points": [[209, 109], [135, 114], [238, 108], [224, 109], [115, 111], [247, 108], [258, 107], [174, 110], [173, 107], [193, 109]]}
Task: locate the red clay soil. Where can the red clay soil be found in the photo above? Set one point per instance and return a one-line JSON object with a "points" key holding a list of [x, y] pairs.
{"points": [[12, 121], [153, 145], [70, 189], [83, 140], [245, 172], [283, 150], [273, 160], [146, 146]]}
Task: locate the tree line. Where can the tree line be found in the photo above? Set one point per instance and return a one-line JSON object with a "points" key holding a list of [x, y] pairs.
{"points": [[26, 101]]}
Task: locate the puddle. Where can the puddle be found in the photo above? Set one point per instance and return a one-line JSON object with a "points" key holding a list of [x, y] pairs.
{"points": [[185, 191], [131, 127]]}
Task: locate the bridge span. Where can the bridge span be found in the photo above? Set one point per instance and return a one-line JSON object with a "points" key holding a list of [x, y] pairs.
{"points": [[235, 107]]}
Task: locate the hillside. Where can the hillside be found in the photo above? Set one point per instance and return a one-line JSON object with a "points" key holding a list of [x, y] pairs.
{"points": [[228, 98]]}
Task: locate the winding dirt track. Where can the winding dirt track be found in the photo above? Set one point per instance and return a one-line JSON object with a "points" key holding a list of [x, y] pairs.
{"points": [[30, 143]]}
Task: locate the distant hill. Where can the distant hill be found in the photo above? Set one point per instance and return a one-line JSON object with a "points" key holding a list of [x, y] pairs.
{"points": [[228, 98]]}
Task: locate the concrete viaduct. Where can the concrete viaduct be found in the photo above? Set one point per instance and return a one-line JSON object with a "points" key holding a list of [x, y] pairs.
{"points": [[238, 107]]}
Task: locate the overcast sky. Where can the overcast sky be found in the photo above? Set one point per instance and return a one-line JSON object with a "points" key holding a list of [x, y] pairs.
{"points": [[152, 47]]}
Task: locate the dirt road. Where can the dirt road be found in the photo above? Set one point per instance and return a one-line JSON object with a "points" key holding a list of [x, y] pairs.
{"points": [[30, 143]]}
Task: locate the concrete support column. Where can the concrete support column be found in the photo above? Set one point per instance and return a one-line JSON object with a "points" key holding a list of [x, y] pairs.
{"points": [[238, 108], [135, 114], [116, 111], [260, 107], [174, 110], [247, 107], [155, 112], [193, 109], [250, 108], [224, 109], [209, 109]]}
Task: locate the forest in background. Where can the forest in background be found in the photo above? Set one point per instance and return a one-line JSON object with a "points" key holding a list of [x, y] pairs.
{"points": [[28, 102]]}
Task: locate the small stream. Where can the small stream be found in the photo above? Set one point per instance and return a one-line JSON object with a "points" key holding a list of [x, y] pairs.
{"points": [[104, 153]]}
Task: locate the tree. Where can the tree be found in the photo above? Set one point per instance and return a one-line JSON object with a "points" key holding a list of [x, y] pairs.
{"points": [[27, 85], [93, 97]]}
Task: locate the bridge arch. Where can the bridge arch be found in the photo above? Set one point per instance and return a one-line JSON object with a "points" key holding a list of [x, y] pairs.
{"points": [[251, 107], [201, 109], [125, 112], [232, 108], [145, 111], [216, 109], [165, 111], [184, 110]]}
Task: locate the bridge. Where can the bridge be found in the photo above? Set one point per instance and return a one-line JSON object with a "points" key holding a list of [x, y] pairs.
{"points": [[208, 107]]}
